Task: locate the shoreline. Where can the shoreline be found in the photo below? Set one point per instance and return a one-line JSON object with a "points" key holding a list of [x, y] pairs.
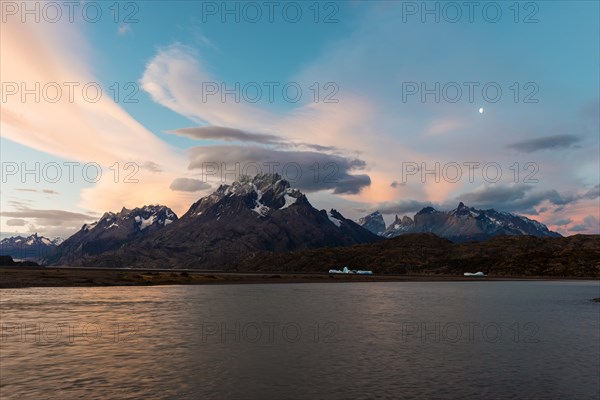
{"points": [[16, 277]]}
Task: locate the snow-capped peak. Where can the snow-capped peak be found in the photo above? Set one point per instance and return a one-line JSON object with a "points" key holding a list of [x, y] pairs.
{"points": [[263, 194], [30, 241], [141, 218]]}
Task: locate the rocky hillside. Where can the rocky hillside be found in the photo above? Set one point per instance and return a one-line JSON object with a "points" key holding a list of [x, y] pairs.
{"points": [[573, 256]]}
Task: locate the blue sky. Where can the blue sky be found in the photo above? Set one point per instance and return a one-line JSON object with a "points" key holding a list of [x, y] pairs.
{"points": [[370, 53]]}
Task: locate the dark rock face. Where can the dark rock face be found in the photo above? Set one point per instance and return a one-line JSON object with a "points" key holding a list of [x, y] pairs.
{"points": [[373, 222], [111, 232], [251, 215], [467, 224], [33, 247]]}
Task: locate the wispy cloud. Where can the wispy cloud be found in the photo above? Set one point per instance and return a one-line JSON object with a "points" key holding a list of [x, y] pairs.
{"points": [[189, 185], [16, 222], [238, 135], [523, 198], [124, 29], [562, 222], [589, 224], [47, 191], [49, 217], [403, 206], [555, 142], [227, 134]]}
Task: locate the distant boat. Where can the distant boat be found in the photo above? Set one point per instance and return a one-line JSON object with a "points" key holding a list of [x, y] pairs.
{"points": [[350, 271], [474, 274]]}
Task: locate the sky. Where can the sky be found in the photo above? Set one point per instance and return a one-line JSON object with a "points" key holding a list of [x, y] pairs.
{"points": [[364, 106]]}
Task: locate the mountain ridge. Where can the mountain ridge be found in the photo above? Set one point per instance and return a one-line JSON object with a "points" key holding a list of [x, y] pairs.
{"points": [[32, 247], [111, 231], [467, 224]]}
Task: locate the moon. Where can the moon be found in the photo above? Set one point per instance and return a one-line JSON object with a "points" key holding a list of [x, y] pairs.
{"points": [[481, 110]]}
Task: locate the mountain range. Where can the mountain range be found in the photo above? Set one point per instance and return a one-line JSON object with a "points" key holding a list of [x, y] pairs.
{"points": [[462, 224], [110, 233], [33, 247], [253, 216]]}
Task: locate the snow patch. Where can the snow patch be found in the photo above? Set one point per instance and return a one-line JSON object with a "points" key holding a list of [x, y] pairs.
{"points": [[335, 221], [260, 208], [289, 200], [89, 227], [259, 193], [147, 222]]}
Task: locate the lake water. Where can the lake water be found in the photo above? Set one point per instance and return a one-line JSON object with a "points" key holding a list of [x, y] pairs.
{"points": [[429, 340]]}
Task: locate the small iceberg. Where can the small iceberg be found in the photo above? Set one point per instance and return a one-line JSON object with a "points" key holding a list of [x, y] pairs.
{"points": [[474, 274], [350, 271]]}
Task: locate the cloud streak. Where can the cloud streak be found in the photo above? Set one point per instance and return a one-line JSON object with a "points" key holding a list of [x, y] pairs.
{"points": [[522, 198], [188, 185], [16, 222], [49, 217], [555, 142], [403, 206], [589, 224], [227, 134]]}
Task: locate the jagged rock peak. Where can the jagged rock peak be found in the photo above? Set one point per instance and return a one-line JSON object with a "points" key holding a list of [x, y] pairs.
{"points": [[262, 193], [143, 217], [373, 222], [260, 183], [406, 221], [427, 210]]}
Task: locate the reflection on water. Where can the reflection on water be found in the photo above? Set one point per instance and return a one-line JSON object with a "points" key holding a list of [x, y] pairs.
{"points": [[307, 341]]}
